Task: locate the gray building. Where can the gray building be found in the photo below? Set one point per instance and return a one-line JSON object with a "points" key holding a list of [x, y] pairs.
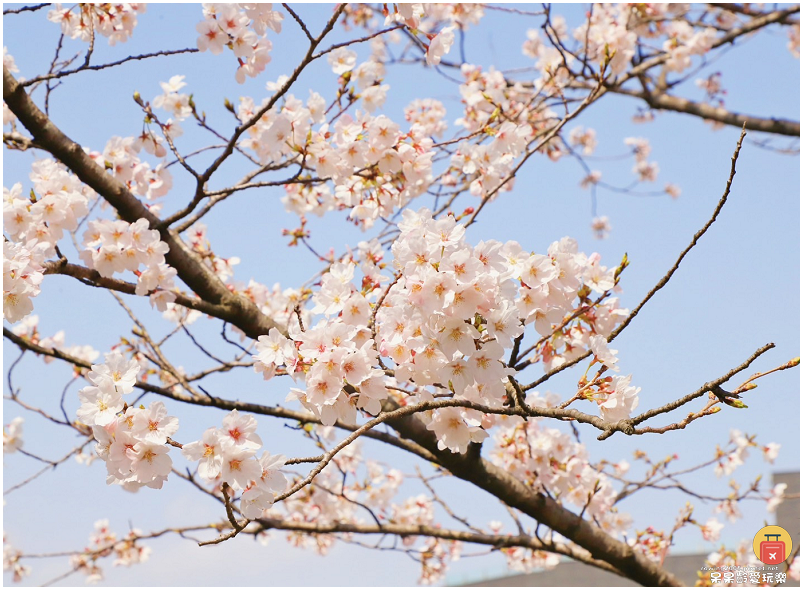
{"points": [[685, 567]]}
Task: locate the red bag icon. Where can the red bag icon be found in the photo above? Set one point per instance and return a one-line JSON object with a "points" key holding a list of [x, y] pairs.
{"points": [[772, 552]]}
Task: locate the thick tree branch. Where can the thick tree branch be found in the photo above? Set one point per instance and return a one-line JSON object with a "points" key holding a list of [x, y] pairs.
{"points": [[538, 506], [667, 102]]}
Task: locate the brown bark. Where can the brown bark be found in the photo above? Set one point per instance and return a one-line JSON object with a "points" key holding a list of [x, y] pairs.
{"points": [[666, 102]]}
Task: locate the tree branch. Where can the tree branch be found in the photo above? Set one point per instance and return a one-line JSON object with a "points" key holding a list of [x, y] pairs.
{"points": [[95, 279], [87, 67], [541, 507], [238, 309], [403, 531], [666, 102]]}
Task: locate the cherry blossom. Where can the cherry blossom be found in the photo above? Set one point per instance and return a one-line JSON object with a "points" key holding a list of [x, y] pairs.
{"points": [[776, 496], [622, 398], [440, 46], [239, 430], [115, 21], [116, 374], [601, 227], [11, 561], [342, 60], [153, 425], [712, 529], [771, 452], [99, 406], [208, 451], [602, 353], [243, 29], [12, 436]]}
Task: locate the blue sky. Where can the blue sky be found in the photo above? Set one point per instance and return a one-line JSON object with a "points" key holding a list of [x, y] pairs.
{"points": [[733, 294]]}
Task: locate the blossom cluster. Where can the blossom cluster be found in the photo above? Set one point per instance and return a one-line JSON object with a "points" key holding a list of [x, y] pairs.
{"points": [[651, 542], [176, 103], [34, 225], [11, 561], [56, 203], [552, 67], [375, 166], [83, 21], [104, 543], [447, 321], [22, 275], [513, 115], [121, 156], [776, 497], [730, 461], [58, 199], [133, 441], [424, 17], [276, 302], [731, 458], [228, 454], [520, 559], [116, 246], [617, 399], [440, 46], [242, 28], [329, 499], [548, 459], [434, 555], [611, 34]]}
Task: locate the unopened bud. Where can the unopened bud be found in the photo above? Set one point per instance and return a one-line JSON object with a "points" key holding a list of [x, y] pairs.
{"points": [[622, 265], [793, 363]]}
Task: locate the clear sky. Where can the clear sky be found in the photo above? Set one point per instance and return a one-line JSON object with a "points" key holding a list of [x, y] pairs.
{"points": [[735, 292]]}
